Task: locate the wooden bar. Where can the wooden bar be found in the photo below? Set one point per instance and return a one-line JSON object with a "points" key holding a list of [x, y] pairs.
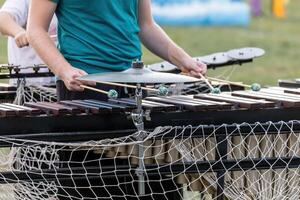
{"points": [[289, 83], [7, 87], [32, 111], [277, 91], [4, 112], [19, 111], [99, 106], [239, 102], [166, 107], [184, 104], [70, 109], [87, 108], [132, 103], [153, 106], [292, 91], [285, 102], [115, 107], [47, 108], [217, 104], [295, 92]]}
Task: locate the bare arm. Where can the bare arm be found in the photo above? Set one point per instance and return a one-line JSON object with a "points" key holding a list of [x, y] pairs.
{"points": [[158, 42], [9, 27], [40, 15]]}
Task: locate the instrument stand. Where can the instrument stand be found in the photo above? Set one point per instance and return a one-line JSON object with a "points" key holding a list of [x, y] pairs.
{"points": [[138, 120]]}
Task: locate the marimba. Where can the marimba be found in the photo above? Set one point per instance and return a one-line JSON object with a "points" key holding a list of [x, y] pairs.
{"points": [[85, 120], [270, 104]]}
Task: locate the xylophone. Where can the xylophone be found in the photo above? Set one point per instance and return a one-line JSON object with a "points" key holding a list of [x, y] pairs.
{"points": [[85, 120]]}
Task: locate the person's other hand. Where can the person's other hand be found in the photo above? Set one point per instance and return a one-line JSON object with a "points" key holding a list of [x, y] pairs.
{"points": [[194, 68], [21, 39], [69, 77]]}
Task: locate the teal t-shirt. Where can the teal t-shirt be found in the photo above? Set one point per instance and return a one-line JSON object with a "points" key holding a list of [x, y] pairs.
{"points": [[99, 35]]}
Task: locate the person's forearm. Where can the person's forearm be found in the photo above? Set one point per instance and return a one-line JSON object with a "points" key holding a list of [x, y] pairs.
{"points": [[8, 26], [159, 43], [46, 49]]}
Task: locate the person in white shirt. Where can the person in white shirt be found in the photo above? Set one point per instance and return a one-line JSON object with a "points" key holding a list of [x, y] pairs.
{"points": [[13, 21]]}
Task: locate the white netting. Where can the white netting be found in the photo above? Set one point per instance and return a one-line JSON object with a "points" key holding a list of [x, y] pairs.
{"points": [[33, 93], [239, 161]]}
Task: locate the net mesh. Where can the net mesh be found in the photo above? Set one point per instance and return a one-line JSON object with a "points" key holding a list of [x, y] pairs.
{"points": [[33, 93], [238, 161]]}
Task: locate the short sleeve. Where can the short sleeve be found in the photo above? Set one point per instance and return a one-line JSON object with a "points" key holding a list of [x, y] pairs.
{"points": [[18, 9], [55, 1]]}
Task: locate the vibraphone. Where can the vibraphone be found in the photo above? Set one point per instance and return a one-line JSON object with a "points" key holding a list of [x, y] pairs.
{"points": [[85, 120]]}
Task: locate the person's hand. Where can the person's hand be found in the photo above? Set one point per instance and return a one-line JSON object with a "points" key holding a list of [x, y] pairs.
{"points": [[21, 39], [69, 77], [194, 68]]}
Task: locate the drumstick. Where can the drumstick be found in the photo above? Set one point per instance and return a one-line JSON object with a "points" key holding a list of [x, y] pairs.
{"points": [[110, 94], [254, 87], [126, 85], [206, 81], [162, 91], [212, 88]]}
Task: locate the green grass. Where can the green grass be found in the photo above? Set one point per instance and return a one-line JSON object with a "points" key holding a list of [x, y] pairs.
{"points": [[280, 39]]}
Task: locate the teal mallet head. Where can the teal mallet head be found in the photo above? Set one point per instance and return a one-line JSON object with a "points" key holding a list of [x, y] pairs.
{"points": [[162, 91], [215, 91], [255, 87], [112, 94]]}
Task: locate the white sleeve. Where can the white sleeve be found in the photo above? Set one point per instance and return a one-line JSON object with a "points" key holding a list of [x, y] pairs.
{"points": [[18, 9]]}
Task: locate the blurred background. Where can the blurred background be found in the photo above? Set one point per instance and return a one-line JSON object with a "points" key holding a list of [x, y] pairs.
{"points": [[207, 26]]}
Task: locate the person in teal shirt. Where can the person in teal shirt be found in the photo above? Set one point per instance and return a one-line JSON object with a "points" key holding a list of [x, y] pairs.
{"points": [[97, 41], [100, 36]]}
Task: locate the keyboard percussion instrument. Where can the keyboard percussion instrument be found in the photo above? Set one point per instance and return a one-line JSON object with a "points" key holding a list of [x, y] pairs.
{"points": [[75, 121], [269, 104], [85, 120]]}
